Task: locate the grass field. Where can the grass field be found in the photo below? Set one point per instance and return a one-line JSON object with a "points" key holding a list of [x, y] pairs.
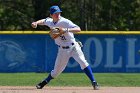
{"points": [[71, 79]]}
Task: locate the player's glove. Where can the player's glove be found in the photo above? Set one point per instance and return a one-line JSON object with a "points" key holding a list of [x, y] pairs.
{"points": [[57, 31]]}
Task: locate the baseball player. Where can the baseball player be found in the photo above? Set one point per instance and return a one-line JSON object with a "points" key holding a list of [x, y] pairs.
{"points": [[62, 31]]}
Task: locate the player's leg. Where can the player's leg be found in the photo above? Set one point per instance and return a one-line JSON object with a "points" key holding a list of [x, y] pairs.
{"points": [[60, 64], [88, 72], [80, 58], [44, 82]]}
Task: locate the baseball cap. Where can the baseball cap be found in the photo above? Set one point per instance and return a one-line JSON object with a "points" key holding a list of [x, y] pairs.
{"points": [[54, 9]]}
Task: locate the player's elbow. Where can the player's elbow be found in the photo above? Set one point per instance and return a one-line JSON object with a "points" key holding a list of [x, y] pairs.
{"points": [[75, 30], [78, 29]]}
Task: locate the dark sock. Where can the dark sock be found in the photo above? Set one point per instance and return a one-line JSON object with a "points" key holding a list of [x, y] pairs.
{"points": [[49, 78]]}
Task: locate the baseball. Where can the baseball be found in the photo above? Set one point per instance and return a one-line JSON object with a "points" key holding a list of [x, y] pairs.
{"points": [[55, 30]]}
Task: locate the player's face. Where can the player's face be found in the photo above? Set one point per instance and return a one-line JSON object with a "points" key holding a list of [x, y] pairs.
{"points": [[55, 16]]}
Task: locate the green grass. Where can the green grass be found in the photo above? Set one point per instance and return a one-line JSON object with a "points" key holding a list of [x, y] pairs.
{"points": [[70, 79]]}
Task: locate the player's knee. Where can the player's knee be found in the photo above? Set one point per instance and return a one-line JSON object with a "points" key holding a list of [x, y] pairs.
{"points": [[83, 66]]}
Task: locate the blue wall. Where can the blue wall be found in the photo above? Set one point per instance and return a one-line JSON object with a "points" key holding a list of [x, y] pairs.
{"points": [[37, 53]]}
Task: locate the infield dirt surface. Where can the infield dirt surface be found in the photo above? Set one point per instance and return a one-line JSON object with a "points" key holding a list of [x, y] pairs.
{"points": [[48, 89]]}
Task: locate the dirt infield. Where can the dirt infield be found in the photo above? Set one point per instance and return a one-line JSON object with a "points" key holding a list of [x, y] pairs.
{"points": [[17, 89]]}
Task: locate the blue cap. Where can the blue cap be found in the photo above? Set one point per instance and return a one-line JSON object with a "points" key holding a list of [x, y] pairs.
{"points": [[54, 9]]}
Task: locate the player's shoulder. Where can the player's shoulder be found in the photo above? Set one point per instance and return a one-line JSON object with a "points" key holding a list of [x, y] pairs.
{"points": [[64, 19], [48, 19]]}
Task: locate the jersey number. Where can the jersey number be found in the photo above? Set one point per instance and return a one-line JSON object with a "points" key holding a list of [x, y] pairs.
{"points": [[63, 37]]}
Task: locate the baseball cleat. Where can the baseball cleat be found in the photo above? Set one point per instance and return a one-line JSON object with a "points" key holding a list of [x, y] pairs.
{"points": [[41, 85], [95, 85]]}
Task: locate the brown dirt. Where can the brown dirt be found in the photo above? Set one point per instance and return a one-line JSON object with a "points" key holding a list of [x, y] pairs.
{"points": [[26, 89]]}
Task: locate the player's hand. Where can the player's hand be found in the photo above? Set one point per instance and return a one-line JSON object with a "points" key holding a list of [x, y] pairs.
{"points": [[34, 24]]}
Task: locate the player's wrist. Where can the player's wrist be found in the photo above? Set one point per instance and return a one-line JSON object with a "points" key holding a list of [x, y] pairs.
{"points": [[66, 30]]}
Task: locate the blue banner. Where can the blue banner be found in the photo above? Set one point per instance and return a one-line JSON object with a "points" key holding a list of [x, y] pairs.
{"points": [[37, 53], [22, 53]]}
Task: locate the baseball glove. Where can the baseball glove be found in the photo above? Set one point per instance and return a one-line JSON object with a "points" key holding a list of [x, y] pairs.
{"points": [[56, 32]]}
